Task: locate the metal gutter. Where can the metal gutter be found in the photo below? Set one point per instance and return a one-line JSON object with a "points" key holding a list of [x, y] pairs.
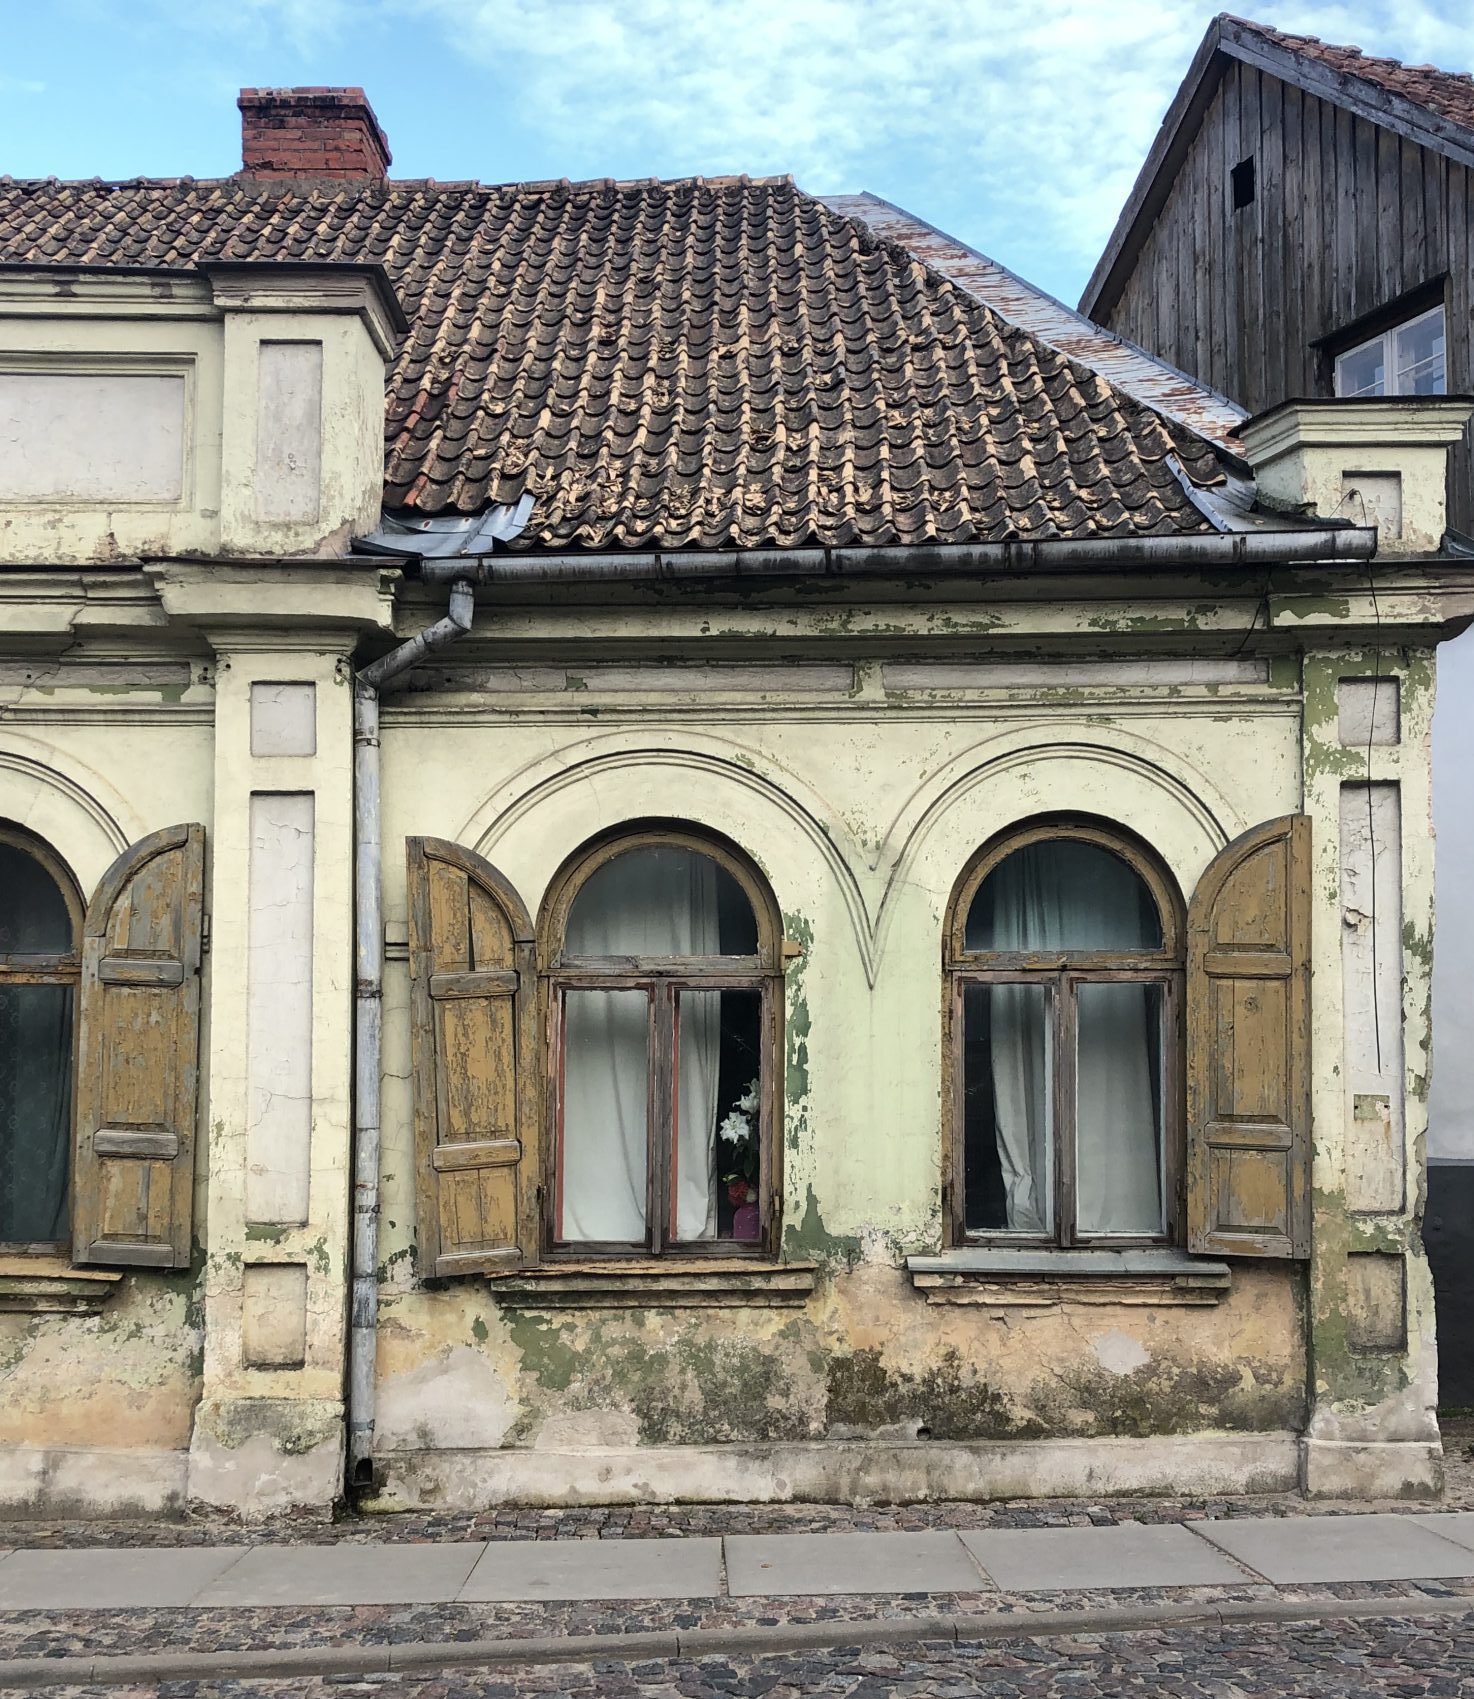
{"points": [[1237, 548]]}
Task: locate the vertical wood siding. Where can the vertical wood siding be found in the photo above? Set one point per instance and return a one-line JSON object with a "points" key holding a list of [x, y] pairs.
{"points": [[1346, 217]]}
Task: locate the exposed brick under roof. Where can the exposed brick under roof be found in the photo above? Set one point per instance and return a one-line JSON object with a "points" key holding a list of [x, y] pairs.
{"points": [[1448, 94], [706, 363]]}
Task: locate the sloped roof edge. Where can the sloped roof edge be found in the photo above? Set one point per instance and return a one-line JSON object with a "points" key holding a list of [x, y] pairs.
{"points": [[1228, 37], [1151, 381]]}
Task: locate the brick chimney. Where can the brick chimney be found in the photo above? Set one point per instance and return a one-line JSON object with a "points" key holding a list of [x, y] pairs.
{"points": [[311, 132]]}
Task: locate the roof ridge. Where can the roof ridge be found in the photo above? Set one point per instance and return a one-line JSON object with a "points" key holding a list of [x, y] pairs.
{"points": [[284, 185], [1287, 38]]}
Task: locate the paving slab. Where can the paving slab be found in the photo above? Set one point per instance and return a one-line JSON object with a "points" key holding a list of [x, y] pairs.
{"points": [[1376, 1547], [397, 1574], [111, 1579], [596, 1569], [811, 1565], [1455, 1525], [1030, 1560]]}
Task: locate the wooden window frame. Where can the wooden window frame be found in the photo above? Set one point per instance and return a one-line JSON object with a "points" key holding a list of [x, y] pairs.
{"points": [[50, 968], [1061, 972], [662, 978]]}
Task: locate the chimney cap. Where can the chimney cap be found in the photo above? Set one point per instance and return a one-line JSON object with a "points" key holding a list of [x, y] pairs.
{"points": [[311, 131]]}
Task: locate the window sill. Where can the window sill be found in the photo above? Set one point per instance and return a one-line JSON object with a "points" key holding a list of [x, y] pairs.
{"points": [[629, 1285], [1037, 1279], [50, 1285]]}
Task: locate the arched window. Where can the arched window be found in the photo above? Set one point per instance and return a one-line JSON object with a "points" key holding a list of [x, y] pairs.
{"points": [[1065, 966], [40, 965], [663, 956]]}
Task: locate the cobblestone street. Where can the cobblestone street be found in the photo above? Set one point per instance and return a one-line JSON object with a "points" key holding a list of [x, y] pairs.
{"points": [[1425, 1650], [1329, 1659]]}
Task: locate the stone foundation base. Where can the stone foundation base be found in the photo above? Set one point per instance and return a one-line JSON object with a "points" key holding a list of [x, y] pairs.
{"points": [[263, 1456], [42, 1482], [1362, 1470], [842, 1472]]}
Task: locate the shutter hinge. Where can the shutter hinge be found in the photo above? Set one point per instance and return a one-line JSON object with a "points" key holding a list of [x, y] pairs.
{"points": [[204, 934]]}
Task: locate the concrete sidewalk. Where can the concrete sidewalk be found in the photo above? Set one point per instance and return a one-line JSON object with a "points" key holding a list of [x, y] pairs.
{"points": [[1206, 1553]]}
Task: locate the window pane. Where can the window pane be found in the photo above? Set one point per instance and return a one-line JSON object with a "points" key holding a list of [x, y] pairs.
{"points": [[1118, 1114], [33, 914], [35, 1111], [1007, 1079], [603, 1162], [715, 1167], [1063, 894], [1364, 370], [661, 900], [1420, 355]]}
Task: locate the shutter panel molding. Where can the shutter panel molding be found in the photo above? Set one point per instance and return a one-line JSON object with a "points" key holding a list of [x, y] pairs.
{"points": [[1248, 1047], [473, 1022], [138, 1056]]}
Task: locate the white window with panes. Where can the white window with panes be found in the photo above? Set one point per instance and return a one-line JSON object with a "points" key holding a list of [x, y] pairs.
{"points": [[1406, 359]]}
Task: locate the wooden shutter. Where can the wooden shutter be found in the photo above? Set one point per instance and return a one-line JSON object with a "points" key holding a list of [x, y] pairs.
{"points": [[1248, 1047], [473, 1014], [138, 1055]]}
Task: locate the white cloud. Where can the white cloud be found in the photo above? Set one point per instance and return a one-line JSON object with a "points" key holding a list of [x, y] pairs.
{"points": [[1018, 124], [1025, 120]]}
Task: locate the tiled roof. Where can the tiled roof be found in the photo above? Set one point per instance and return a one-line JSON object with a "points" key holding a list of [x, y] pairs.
{"points": [[703, 363], [1447, 94], [1152, 381]]}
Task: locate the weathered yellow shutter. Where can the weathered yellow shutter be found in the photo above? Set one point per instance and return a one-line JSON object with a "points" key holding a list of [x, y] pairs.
{"points": [[473, 1014], [138, 1055], [1248, 1047]]}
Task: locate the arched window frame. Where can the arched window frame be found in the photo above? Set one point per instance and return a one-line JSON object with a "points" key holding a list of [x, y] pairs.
{"points": [[663, 976], [1064, 970], [50, 968]]}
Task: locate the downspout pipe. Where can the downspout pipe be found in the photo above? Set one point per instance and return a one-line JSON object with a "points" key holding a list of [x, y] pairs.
{"points": [[368, 1016]]}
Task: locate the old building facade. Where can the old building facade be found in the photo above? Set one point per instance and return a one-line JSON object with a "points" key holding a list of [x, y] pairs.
{"points": [[675, 841]]}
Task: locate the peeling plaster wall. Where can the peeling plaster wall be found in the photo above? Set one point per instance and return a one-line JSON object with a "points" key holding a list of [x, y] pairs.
{"points": [[861, 809], [861, 789]]}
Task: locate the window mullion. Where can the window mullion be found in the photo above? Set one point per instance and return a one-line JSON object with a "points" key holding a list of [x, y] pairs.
{"points": [[1065, 1072], [664, 1108]]}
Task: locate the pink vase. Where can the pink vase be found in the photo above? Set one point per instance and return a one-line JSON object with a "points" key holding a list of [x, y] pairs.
{"points": [[745, 1222]]}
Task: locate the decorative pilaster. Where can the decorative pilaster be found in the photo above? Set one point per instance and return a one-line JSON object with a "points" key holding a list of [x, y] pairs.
{"points": [[269, 1430], [1373, 1427]]}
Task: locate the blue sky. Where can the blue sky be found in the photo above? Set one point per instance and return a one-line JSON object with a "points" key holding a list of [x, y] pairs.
{"points": [[1015, 124]]}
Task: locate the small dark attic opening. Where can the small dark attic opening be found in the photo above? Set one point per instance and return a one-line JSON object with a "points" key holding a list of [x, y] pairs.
{"points": [[1243, 183]]}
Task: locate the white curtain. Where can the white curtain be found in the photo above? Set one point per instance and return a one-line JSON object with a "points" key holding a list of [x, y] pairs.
{"points": [[1021, 1074], [653, 902], [1074, 896]]}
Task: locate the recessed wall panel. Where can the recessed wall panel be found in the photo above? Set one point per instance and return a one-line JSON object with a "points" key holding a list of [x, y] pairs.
{"points": [[113, 437], [279, 1009]]}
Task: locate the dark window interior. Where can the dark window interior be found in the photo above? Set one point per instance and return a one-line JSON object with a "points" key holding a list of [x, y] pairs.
{"points": [[1243, 183]]}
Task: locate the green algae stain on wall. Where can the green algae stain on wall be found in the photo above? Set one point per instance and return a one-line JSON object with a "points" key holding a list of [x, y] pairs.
{"points": [[808, 1240]]}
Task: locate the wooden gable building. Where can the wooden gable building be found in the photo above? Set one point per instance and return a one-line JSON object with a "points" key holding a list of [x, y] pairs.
{"points": [[1304, 226]]}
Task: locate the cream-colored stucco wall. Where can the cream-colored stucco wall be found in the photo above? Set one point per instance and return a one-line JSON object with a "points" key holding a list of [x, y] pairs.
{"points": [[861, 806], [873, 749]]}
